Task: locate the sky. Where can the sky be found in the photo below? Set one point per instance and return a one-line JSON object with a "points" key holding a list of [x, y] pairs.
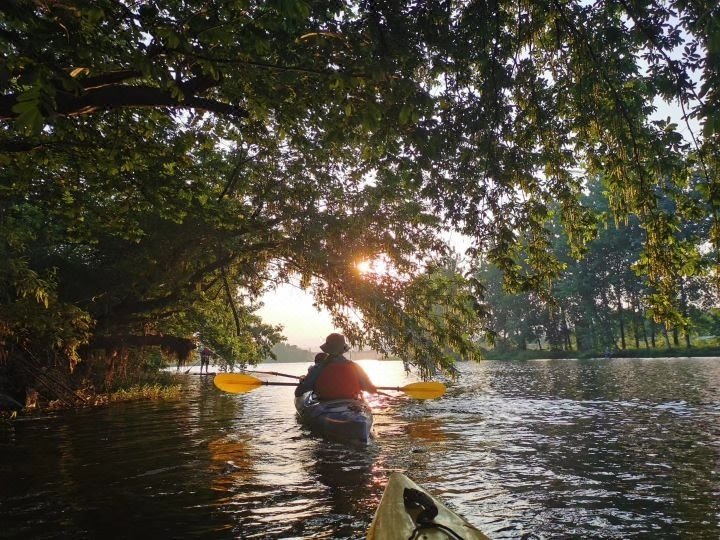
{"points": [[304, 325]]}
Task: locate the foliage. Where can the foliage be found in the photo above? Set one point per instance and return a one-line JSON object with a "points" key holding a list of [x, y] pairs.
{"points": [[430, 319], [147, 392], [599, 303], [661, 352], [163, 162]]}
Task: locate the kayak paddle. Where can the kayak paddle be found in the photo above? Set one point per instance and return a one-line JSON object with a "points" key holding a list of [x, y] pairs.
{"points": [[240, 383], [275, 373], [419, 390]]}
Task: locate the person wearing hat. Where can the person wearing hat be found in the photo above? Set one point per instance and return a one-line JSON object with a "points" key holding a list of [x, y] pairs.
{"points": [[336, 377]]}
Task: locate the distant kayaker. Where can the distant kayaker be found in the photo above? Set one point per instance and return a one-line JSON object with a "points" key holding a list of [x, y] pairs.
{"points": [[205, 355], [335, 377]]}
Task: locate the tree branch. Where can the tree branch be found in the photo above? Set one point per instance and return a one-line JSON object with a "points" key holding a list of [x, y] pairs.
{"points": [[231, 301], [108, 79], [126, 311], [123, 96], [178, 346]]}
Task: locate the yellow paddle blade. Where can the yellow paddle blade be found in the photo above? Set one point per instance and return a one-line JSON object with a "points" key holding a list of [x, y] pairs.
{"points": [[236, 383], [424, 390]]}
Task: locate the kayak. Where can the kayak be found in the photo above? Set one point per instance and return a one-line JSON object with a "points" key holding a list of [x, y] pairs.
{"points": [[347, 420], [407, 511]]}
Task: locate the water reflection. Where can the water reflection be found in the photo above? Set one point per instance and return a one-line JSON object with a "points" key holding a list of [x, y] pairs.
{"points": [[427, 430], [346, 476], [231, 465], [595, 449]]}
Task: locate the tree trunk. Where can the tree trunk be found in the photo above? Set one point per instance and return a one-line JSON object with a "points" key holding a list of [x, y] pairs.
{"points": [[593, 334], [641, 317], [686, 327], [607, 328], [565, 331], [636, 329], [622, 321], [667, 338], [652, 334]]}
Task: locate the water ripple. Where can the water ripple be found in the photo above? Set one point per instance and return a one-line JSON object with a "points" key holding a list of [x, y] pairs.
{"points": [[550, 449]]}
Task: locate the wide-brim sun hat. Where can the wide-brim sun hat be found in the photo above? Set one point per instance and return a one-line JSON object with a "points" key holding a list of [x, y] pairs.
{"points": [[335, 344]]}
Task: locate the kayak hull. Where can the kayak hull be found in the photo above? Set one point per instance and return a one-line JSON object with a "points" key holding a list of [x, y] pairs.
{"points": [[395, 521], [347, 420]]}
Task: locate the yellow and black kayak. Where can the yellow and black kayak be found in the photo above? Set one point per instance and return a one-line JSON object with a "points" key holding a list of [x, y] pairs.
{"points": [[408, 512]]}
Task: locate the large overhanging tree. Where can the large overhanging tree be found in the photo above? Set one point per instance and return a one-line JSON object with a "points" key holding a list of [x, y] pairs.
{"points": [[163, 162]]}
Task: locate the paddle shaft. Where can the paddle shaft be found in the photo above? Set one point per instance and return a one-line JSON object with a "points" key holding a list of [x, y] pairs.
{"points": [[276, 383], [275, 373], [396, 388]]}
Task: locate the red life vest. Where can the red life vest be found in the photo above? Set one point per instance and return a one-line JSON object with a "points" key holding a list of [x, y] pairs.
{"points": [[338, 380]]}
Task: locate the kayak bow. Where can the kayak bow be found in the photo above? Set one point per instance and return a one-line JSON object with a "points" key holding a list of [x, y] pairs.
{"points": [[408, 511]]}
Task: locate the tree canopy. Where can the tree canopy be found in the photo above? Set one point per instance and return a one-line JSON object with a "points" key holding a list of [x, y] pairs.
{"points": [[164, 162], [600, 305]]}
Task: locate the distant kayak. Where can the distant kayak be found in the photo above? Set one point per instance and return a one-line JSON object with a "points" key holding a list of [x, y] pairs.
{"points": [[408, 512], [347, 420]]}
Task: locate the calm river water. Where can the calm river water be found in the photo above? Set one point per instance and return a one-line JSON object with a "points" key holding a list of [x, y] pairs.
{"points": [[548, 449]]}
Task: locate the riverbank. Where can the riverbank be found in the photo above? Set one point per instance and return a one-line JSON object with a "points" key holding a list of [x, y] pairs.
{"points": [[536, 354], [144, 387]]}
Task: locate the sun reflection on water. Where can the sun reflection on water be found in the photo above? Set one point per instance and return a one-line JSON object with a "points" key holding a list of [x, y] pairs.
{"points": [[385, 373]]}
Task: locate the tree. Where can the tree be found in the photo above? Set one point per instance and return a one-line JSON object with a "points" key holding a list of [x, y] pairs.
{"points": [[166, 158]]}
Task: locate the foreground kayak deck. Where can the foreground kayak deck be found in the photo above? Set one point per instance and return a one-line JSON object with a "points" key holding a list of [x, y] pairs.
{"points": [[396, 521], [347, 420]]}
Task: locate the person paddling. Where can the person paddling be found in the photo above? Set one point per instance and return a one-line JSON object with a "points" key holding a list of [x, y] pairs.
{"points": [[319, 359], [205, 355], [335, 377]]}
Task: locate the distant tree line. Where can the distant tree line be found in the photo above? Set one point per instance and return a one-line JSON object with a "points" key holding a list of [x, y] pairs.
{"points": [[600, 303], [290, 353]]}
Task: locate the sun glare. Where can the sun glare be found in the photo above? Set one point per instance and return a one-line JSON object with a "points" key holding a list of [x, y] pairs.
{"points": [[363, 267], [373, 266]]}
